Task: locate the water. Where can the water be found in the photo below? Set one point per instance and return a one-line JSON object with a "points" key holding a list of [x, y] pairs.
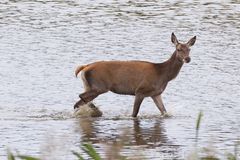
{"points": [[41, 43]]}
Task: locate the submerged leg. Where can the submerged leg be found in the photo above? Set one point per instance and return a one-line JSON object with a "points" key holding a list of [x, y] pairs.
{"points": [[158, 101], [137, 103]]}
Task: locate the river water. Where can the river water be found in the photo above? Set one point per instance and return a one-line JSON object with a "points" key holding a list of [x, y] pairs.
{"points": [[42, 41]]}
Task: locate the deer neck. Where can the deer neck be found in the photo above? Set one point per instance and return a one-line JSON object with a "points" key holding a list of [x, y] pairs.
{"points": [[173, 66]]}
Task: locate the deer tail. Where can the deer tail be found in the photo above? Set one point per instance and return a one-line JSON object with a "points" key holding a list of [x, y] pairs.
{"points": [[78, 69]]}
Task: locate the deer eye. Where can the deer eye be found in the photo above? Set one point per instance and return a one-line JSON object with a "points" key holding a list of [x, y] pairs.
{"points": [[178, 50]]}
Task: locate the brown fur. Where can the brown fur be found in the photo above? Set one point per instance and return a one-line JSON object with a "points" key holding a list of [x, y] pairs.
{"points": [[139, 78], [78, 69]]}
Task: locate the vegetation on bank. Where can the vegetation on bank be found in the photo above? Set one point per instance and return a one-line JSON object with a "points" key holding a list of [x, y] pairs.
{"points": [[115, 151]]}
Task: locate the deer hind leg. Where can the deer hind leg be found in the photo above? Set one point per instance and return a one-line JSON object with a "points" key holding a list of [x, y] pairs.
{"points": [[86, 88], [159, 103], [86, 85], [90, 93], [87, 97]]}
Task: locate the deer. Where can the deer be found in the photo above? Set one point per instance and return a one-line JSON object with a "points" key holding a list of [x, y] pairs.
{"points": [[138, 78]]}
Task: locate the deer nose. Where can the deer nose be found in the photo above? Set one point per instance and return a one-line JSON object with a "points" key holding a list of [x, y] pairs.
{"points": [[187, 59]]}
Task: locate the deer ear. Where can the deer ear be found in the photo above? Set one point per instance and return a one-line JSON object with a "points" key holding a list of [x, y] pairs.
{"points": [[174, 39], [191, 41]]}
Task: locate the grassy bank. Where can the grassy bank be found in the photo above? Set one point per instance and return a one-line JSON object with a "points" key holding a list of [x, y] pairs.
{"points": [[115, 151]]}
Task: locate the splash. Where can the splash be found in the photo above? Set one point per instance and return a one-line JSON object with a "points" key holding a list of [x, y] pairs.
{"points": [[87, 110], [53, 116]]}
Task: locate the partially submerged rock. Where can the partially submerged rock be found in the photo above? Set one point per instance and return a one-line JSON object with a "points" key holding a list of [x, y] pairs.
{"points": [[87, 110]]}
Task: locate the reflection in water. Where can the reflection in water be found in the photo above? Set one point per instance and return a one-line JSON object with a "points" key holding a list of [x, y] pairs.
{"points": [[42, 41], [138, 135], [88, 129], [152, 136]]}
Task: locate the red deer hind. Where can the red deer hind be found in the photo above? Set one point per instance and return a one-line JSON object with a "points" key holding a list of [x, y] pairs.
{"points": [[139, 78]]}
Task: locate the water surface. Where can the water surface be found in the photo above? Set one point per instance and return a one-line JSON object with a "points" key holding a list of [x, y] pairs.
{"points": [[41, 43]]}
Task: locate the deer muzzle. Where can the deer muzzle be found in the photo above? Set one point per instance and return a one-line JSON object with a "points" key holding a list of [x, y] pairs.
{"points": [[187, 60]]}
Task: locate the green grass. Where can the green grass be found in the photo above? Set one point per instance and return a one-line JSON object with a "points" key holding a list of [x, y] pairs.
{"points": [[11, 156], [200, 115], [229, 156], [115, 150], [87, 148]]}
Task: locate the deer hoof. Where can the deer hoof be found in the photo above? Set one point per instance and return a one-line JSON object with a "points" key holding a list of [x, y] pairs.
{"points": [[75, 106], [79, 103]]}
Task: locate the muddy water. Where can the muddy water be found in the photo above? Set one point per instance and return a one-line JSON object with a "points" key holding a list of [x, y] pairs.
{"points": [[41, 43]]}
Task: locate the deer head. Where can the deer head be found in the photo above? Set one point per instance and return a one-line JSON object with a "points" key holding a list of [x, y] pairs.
{"points": [[183, 49]]}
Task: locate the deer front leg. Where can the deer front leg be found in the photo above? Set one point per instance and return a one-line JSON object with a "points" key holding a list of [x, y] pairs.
{"points": [[158, 101], [137, 103]]}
